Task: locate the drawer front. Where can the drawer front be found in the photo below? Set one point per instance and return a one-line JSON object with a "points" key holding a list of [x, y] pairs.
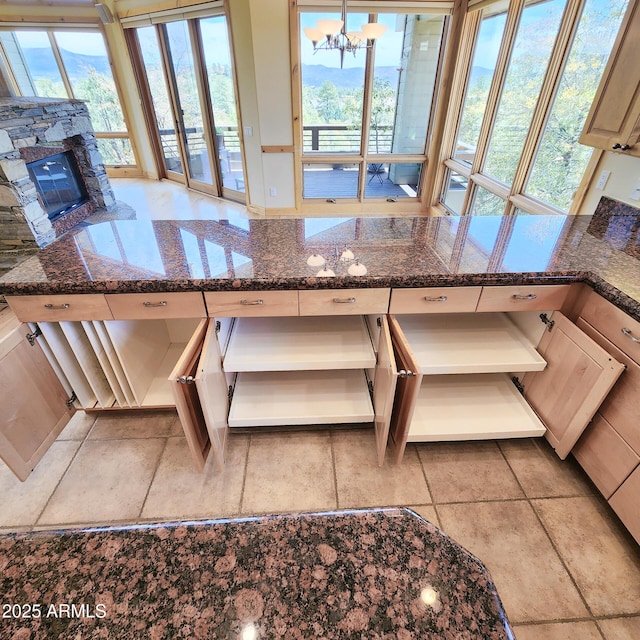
{"points": [[434, 300], [90, 306], [143, 306], [620, 407], [613, 323], [341, 302], [548, 297], [626, 503], [605, 456], [234, 304]]}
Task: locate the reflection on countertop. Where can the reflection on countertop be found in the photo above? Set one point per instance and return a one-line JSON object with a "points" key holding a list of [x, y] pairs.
{"points": [[367, 573], [182, 255]]}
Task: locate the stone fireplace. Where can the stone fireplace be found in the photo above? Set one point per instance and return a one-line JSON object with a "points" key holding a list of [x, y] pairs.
{"points": [[32, 129]]}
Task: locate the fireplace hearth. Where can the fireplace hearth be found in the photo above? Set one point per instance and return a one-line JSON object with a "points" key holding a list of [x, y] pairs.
{"points": [[34, 131]]}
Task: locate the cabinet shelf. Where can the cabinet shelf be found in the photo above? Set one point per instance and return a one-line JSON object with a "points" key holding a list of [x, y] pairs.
{"points": [[299, 343], [300, 398], [471, 407], [469, 343]]}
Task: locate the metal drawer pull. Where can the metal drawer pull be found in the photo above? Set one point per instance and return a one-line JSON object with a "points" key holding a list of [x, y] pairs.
{"points": [[627, 332], [55, 307], [438, 299], [344, 300], [163, 303], [529, 296], [252, 302]]}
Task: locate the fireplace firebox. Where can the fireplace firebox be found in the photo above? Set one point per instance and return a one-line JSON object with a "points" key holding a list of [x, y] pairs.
{"points": [[59, 184]]}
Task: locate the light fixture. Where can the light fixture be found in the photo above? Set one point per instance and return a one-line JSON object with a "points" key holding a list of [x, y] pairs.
{"points": [[315, 260], [332, 34], [339, 261]]}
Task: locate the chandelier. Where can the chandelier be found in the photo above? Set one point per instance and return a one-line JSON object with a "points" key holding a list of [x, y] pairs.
{"points": [[332, 34]]}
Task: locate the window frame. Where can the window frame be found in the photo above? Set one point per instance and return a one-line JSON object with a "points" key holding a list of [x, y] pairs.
{"points": [[129, 170], [514, 194]]}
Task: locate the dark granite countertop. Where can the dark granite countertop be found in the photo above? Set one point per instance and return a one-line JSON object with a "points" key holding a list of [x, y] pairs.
{"points": [[383, 573], [185, 255]]}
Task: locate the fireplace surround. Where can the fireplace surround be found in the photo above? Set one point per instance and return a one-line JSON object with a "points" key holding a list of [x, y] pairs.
{"points": [[32, 129]]}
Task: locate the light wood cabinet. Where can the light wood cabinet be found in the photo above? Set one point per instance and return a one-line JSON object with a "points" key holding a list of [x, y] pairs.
{"points": [[613, 122], [147, 306], [625, 503], [36, 405], [435, 300], [332, 302], [523, 298], [234, 304], [89, 306]]}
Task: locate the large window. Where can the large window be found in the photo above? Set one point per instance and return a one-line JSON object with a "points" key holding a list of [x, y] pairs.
{"points": [[55, 63], [366, 114], [533, 75]]}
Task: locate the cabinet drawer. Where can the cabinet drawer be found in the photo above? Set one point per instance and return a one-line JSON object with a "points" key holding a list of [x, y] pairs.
{"points": [[548, 297], [233, 304], [89, 306], [620, 407], [613, 323], [334, 302], [626, 503], [605, 456], [434, 300], [142, 306]]}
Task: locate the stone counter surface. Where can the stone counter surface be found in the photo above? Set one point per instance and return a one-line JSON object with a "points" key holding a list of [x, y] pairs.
{"points": [[384, 573], [129, 256]]}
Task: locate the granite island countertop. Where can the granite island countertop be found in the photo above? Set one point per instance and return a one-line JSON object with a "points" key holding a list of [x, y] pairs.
{"points": [[381, 573], [128, 256]]}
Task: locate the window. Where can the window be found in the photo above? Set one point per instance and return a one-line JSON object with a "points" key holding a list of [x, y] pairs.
{"points": [[72, 64], [529, 86], [366, 114]]}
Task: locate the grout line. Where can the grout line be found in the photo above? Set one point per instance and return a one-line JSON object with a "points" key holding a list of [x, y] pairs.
{"points": [[246, 470], [153, 477], [335, 470]]}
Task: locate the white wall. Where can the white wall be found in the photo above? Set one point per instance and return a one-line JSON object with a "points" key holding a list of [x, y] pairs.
{"points": [[625, 174]]}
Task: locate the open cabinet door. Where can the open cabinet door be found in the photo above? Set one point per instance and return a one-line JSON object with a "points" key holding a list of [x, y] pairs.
{"points": [[568, 392], [407, 388], [211, 383], [384, 388], [36, 406], [185, 393]]}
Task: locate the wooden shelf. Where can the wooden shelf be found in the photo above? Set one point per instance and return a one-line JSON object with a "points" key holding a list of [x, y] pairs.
{"points": [[299, 343], [471, 407], [300, 398], [469, 343]]}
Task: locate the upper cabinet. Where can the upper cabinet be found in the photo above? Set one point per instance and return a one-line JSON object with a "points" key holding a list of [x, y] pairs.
{"points": [[613, 122]]}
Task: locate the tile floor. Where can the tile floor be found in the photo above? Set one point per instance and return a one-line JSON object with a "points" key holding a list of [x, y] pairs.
{"points": [[564, 566]]}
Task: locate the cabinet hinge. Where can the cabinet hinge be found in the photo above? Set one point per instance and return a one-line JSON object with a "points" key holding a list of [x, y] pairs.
{"points": [[186, 380], [545, 318], [218, 325], [406, 374], [31, 337], [517, 384], [379, 321], [230, 393], [370, 385], [71, 400]]}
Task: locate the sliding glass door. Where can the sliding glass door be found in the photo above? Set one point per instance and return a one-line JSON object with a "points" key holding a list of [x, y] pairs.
{"points": [[188, 73]]}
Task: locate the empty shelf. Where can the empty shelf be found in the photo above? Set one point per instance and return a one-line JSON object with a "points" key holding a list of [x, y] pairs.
{"points": [[472, 407], [469, 343]]}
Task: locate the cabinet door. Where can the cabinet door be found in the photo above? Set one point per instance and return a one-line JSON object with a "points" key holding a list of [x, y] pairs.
{"points": [[185, 393], [384, 388], [625, 503], [613, 117], [407, 389], [578, 377], [211, 383], [34, 403]]}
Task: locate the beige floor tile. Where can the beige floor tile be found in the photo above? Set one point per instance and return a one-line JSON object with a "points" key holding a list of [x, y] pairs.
{"points": [[541, 473], [621, 628], [176, 427], [108, 480], [362, 483], [603, 560], [289, 472], [467, 471], [559, 631], [22, 502], [78, 427], [113, 425], [508, 538], [428, 513], [179, 490]]}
